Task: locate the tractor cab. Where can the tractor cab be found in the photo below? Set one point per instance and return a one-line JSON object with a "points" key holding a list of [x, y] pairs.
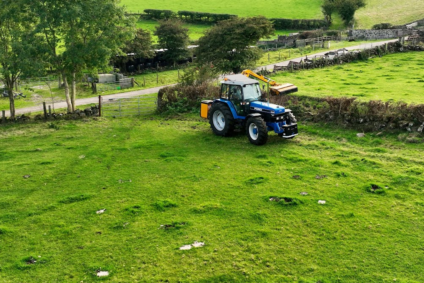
{"points": [[240, 91]]}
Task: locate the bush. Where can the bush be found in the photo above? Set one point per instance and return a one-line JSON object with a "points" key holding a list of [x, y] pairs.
{"points": [[382, 26], [305, 24], [184, 98]]}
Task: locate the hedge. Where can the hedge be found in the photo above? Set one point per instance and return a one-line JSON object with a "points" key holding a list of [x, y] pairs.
{"points": [[299, 23]]}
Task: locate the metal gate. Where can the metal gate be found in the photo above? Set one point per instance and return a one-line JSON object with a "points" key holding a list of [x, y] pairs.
{"points": [[125, 107]]}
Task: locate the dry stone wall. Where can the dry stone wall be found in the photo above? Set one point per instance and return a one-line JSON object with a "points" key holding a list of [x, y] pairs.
{"points": [[371, 34]]}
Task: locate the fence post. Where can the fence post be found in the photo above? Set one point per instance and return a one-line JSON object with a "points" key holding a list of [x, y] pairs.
{"points": [[50, 110], [132, 82], [178, 73], [268, 57], [45, 110], [157, 78], [144, 81], [3, 116], [100, 106]]}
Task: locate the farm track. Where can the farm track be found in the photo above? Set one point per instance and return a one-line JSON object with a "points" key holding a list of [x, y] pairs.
{"points": [[91, 100]]}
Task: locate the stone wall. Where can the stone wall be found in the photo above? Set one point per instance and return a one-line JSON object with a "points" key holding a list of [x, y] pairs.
{"points": [[379, 33]]}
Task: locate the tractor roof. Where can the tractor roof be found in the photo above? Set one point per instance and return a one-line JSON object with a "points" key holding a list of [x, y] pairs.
{"points": [[238, 80]]}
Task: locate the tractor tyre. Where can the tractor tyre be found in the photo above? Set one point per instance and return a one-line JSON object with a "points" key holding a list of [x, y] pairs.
{"points": [[221, 120], [256, 130]]}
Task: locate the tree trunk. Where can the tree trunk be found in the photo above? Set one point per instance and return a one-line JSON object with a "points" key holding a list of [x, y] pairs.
{"points": [[68, 98], [60, 81], [73, 92], [11, 101]]}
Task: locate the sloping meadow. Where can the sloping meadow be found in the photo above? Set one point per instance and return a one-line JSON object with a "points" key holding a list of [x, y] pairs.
{"points": [[124, 195]]}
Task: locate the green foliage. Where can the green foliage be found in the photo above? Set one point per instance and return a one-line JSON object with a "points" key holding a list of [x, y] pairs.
{"points": [[173, 37], [140, 44], [345, 8], [301, 24], [227, 44], [382, 26]]}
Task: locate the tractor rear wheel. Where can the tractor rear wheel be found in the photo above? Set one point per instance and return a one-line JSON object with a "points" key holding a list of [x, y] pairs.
{"points": [[221, 120], [256, 130]]}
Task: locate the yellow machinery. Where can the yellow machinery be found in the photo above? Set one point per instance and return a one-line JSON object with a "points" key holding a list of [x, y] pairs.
{"points": [[275, 88]]}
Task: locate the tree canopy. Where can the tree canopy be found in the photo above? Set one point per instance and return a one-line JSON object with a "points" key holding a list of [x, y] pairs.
{"points": [[228, 45], [345, 8], [173, 37]]}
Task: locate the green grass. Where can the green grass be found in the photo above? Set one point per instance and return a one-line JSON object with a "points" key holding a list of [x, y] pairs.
{"points": [[395, 12], [396, 77], [160, 171], [376, 11], [299, 9]]}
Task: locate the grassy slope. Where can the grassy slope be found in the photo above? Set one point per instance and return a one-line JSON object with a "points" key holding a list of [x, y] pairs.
{"points": [[396, 77], [395, 12], [300, 9], [220, 187], [376, 11]]}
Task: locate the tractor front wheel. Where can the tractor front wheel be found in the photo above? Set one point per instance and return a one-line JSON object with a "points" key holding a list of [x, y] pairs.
{"points": [[221, 120], [256, 130]]}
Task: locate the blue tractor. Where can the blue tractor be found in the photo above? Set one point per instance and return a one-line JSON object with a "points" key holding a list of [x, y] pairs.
{"points": [[240, 104]]}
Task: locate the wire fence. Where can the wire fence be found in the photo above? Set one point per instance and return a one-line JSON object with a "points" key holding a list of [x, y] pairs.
{"points": [[128, 107]]}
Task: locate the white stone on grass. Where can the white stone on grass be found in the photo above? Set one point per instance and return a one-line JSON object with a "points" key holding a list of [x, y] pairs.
{"points": [[101, 211], [197, 244], [102, 273], [185, 248], [321, 202]]}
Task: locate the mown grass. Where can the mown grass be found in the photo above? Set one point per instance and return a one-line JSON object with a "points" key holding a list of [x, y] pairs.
{"points": [[376, 11], [173, 171], [302, 9], [394, 77]]}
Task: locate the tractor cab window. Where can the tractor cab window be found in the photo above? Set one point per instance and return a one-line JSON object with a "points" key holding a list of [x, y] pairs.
{"points": [[224, 91], [251, 92], [235, 93]]}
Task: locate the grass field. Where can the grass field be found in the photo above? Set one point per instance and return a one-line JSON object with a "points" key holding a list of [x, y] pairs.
{"points": [[300, 9], [376, 11], [396, 77], [159, 171]]}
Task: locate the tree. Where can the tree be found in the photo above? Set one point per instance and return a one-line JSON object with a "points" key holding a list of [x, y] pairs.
{"points": [[347, 9], [328, 9], [173, 37], [227, 46], [81, 35], [140, 45], [17, 46]]}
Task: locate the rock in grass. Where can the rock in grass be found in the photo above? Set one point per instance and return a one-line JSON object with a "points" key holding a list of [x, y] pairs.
{"points": [[321, 202], [101, 211], [26, 176], [360, 135], [185, 247], [102, 273]]}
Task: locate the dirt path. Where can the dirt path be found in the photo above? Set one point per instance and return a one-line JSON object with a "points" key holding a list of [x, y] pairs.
{"points": [[85, 101]]}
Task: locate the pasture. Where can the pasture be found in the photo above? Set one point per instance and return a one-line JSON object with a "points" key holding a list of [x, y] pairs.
{"points": [[376, 11], [395, 77], [244, 202]]}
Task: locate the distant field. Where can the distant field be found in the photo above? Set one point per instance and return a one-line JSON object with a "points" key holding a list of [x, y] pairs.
{"points": [[397, 77], [269, 8], [395, 12], [376, 11]]}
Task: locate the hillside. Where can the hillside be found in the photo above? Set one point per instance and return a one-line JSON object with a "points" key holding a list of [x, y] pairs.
{"points": [[377, 11]]}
